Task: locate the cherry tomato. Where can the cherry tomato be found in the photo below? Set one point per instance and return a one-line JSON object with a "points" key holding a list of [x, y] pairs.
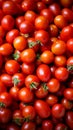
{"points": [[60, 61], [40, 6], [51, 99], [70, 64], [53, 30], [12, 67], [25, 95], [28, 126], [14, 92], [66, 3], [68, 94], [70, 45], [58, 110], [61, 126], [19, 20], [66, 103], [12, 126], [2, 87], [61, 73], [69, 119], [47, 124], [43, 72], [42, 108]]}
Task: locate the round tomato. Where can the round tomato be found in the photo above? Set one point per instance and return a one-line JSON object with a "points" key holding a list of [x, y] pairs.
{"points": [[68, 94], [69, 119]]}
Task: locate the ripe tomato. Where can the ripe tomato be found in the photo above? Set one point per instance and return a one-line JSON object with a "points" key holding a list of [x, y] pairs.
{"points": [[42, 36], [12, 126], [14, 92], [40, 6], [68, 94], [25, 95], [70, 64], [19, 20], [2, 87], [12, 67], [5, 99], [5, 115], [53, 85], [67, 104], [47, 57], [18, 79], [42, 108], [51, 99], [58, 47], [6, 49], [66, 3], [32, 82], [61, 73], [28, 113], [70, 45], [53, 30], [7, 22], [43, 72], [28, 55], [47, 125], [60, 126], [28, 68], [42, 91], [58, 110], [28, 126], [60, 61], [11, 35], [69, 119]]}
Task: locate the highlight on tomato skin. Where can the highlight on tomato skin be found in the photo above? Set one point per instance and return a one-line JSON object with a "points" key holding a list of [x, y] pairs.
{"points": [[36, 65]]}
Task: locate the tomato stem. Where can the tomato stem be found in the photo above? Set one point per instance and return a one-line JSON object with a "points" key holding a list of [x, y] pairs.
{"points": [[16, 81], [2, 104]]}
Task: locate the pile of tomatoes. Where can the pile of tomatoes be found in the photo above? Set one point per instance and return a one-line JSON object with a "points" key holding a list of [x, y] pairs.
{"points": [[36, 64]]}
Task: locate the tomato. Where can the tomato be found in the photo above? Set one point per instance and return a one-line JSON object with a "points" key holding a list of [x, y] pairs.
{"points": [[6, 49], [28, 55], [11, 35], [47, 13], [47, 124], [66, 3], [68, 94], [32, 82], [9, 8], [12, 126], [48, 1], [2, 32], [47, 57], [55, 8], [58, 47], [22, 105], [18, 79], [58, 110], [40, 6], [28, 5], [61, 126], [28, 126], [2, 87], [66, 103], [61, 73], [6, 79], [70, 64], [61, 90], [30, 16], [42, 36], [7, 22], [41, 22], [42, 108], [53, 85], [19, 20], [69, 119], [20, 43], [28, 68], [43, 72], [1, 15], [38, 120], [51, 99], [60, 61], [5, 115], [68, 14], [24, 27], [14, 92], [70, 83], [29, 113], [17, 117], [5, 99], [12, 67], [53, 30], [42, 91], [25, 95], [52, 69], [70, 45], [66, 33]]}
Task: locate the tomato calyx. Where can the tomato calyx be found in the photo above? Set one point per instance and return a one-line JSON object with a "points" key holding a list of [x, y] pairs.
{"points": [[38, 56], [16, 81], [70, 67], [32, 44], [45, 87], [33, 85], [2, 104], [26, 119], [16, 56], [18, 121]]}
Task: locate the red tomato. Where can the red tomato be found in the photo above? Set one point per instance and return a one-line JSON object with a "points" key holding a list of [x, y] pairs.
{"points": [[14, 92], [47, 125], [70, 45], [68, 94], [69, 119], [28, 126], [42, 108], [43, 72], [12, 126], [70, 64], [67, 104], [60, 126], [2, 87], [60, 61], [51, 99]]}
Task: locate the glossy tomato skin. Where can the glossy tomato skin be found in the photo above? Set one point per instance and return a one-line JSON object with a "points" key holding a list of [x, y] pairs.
{"points": [[42, 108], [12, 67], [68, 94], [60, 61], [2, 87], [51, 99], [43, 72], [25, 95], [12, 126], [47, 124], [61, 126], [70, 45], [66, 103], [28, 126], [14, 92], [69, 119], [61, 74], [58, 110]]}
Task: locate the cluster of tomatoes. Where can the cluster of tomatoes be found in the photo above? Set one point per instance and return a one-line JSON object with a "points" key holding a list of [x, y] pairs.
{"points": [[36, 64]]}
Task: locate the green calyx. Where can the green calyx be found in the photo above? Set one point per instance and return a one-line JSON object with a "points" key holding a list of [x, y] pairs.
{"points": [[45, 87], [33, 85], [16, 56], [17, 121], [16, 81], [2, 104], [70, 67]]}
